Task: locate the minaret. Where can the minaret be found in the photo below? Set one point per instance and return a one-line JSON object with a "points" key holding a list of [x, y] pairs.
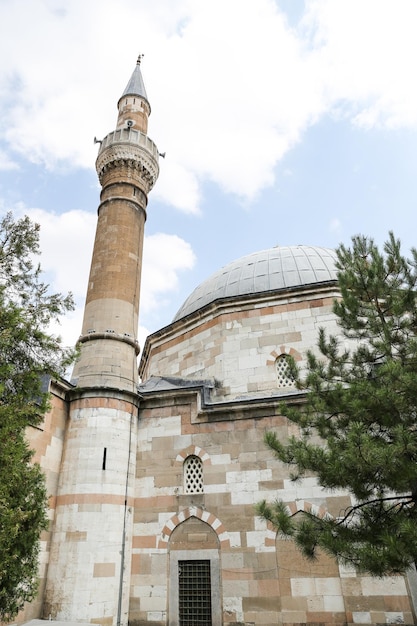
{"points": [[88, 574], [127, 167]]}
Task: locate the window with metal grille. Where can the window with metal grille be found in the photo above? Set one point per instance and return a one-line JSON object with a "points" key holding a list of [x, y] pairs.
{"points": [[284, 377], [194, 590], [193, 475]]}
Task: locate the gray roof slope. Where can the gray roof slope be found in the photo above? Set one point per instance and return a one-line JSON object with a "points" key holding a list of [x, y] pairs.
{"points": [[170, 383], [268, 270], [136, 86]]}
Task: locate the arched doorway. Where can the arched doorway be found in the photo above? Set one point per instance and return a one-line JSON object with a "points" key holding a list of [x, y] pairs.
{"points": [[194, 575]]}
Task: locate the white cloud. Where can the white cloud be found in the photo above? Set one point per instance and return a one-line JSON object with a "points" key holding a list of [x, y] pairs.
{"points": [[66, 243], [164, 256], [178, 186], [230, 95], [6, 163], [366, 53], [233, 108]]}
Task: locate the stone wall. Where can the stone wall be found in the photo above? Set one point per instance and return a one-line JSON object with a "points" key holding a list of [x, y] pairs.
{"points": [[237, 343], [47, 440], [263, 579]]}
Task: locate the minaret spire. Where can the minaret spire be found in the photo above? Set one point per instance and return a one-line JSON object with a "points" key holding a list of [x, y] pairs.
{"points": [[135, 88], [88, 575]]}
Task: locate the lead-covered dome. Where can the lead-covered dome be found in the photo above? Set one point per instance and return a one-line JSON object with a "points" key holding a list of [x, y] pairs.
{"points": [[268, 270]]}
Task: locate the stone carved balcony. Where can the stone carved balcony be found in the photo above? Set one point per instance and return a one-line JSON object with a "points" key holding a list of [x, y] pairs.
{"points": [[129, 145]]}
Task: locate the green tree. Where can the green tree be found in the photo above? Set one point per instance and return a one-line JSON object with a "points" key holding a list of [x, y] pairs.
{"points": [[28, 353], [358, 424]]}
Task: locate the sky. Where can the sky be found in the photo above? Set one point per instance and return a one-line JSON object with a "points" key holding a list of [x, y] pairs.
{"points": [[284, 122]]}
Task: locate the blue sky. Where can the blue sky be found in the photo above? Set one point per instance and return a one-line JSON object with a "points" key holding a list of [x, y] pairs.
{"points": [[284, 122]]}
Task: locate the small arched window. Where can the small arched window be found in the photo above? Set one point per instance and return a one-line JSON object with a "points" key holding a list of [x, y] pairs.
{"points": [[284, 377], [193, 474]]}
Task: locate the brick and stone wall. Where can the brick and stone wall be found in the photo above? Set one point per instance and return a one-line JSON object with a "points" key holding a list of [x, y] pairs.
{"points": [[263, 578], [47, 441], [237, 343]]}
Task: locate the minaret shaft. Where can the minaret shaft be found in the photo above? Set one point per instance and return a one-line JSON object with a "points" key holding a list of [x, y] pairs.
{"points": [[108, 342], [115, 271]]}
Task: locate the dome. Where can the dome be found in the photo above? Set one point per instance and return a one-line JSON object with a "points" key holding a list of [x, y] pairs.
{"points": [[269, 270]]}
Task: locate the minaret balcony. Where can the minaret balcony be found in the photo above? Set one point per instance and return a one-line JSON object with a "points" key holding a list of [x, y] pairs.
{"points": [[129, 146], [129, 135]]}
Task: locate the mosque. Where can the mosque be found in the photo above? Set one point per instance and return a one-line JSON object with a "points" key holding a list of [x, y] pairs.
{"points": [[153, 483]]}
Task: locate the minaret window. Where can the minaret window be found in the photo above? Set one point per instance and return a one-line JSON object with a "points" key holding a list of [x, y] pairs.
{"points": [[193, 475], [284, 377]]}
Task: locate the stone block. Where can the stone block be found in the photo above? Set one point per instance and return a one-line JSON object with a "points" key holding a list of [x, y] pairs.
{"points": [[328, 586], [76, 536], [293, 617], [104, 570], [361, 617], [303, 587], [333, 604], [259, 605], [389, 586]]}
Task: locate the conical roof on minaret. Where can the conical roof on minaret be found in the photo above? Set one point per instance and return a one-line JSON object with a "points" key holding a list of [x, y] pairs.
{"points": [[136, 86]]}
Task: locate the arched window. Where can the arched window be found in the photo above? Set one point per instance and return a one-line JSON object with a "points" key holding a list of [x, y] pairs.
{"points": [[193, 474], [284, 378]]}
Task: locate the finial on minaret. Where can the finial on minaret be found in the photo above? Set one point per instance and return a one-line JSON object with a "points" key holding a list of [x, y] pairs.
{"points": [[140, 57]]}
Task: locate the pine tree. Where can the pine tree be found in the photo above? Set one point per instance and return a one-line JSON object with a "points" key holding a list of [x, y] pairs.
{"points": [[361, 400], [28, 353]]}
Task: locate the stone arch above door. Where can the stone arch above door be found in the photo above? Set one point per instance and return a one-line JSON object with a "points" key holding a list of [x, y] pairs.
{"points": [[207, 517]]}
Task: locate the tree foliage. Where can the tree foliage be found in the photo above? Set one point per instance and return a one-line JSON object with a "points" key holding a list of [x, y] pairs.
{"points": [[361, 401], [28, 353]]}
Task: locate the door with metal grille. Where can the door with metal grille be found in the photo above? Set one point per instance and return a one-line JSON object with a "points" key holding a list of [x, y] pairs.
{"points": [[194, 593]]}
